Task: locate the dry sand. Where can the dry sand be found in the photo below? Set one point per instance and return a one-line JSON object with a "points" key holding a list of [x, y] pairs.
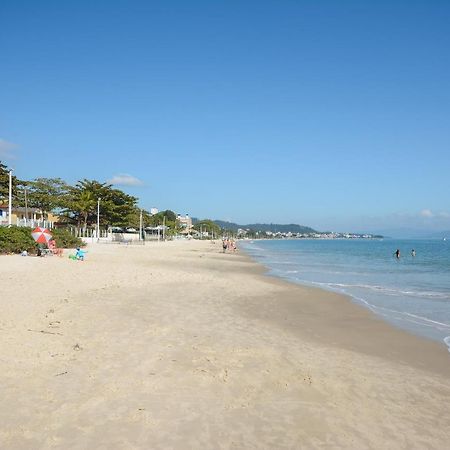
{"points": [[178, 346]]}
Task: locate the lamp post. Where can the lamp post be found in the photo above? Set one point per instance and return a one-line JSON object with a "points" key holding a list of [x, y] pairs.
{"points": [[98, 220], [10, 198], [26, 206]]}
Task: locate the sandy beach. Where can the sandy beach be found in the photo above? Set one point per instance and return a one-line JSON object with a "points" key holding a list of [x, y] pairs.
{"points": [[178, 346]]}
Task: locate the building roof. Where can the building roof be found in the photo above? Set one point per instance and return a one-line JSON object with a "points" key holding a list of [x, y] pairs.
{"points": [[20, 209]]}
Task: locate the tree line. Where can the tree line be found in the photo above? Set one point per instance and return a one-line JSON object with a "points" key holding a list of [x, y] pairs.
{"points": [[77, 204]]}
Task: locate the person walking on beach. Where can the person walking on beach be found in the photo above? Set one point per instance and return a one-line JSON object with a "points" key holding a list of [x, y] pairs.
{"points": [[397, 253], [224, 245]]}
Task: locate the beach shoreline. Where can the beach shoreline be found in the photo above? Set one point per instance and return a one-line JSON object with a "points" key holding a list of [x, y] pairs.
{"points": [[410, 293], [177, 345], [424, 353], [421, 352]]}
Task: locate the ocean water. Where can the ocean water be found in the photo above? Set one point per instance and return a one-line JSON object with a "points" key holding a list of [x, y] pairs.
{"points": [[412, 293]]}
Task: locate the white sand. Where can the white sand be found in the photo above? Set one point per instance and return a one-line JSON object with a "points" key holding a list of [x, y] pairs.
{"points": [[176, 345]]}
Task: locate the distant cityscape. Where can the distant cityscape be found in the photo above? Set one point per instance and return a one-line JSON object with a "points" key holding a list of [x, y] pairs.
{"points": [[286, 231], [315, 235]]}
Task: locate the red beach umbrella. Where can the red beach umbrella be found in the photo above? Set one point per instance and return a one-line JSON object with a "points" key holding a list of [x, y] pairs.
{"points": [[41, 235]]}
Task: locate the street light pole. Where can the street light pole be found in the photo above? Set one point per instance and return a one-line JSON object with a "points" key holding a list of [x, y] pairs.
{"points": [[10, 198], [26, 206], [98, 220]]}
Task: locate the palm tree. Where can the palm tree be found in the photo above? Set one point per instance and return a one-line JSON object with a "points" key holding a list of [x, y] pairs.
{"points": [[84, 204]]}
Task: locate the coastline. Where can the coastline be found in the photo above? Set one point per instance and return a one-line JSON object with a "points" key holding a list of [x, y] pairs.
{"points": [[179, 345], [409, 294], [382, 340]]}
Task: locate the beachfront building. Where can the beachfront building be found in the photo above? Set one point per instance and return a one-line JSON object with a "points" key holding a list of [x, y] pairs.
{"points": [[23, 217], [185, 223]]}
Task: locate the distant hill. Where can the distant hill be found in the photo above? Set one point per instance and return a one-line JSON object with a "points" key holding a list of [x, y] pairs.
{"points": [[288, 228], [273, 227]]}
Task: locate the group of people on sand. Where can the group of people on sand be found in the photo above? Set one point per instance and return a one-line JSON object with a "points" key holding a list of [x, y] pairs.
{"points": [[229, 244], [397, 253], [52, 249]]}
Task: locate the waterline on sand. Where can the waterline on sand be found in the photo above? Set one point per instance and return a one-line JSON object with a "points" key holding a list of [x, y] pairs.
{"points": [[413, 294]]}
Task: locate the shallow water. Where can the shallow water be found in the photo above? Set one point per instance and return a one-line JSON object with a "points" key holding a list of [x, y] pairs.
{"points": [[410, 292]]}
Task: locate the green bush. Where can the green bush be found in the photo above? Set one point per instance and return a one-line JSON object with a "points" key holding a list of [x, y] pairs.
{"points": [[64, 238], [16, 240]]}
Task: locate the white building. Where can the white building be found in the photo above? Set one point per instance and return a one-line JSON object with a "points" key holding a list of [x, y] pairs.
{"points": [[185, 222]]}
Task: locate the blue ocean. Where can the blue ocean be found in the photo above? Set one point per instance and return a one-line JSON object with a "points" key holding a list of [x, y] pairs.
{"points": [[411, 292]]}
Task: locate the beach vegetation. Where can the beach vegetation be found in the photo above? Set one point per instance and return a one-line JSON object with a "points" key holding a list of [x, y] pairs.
{"points": [[65, 239], [47, 194], [134, 218], [167, 218], [208, 225], [159, 218], [81, 205], [116, 207], [16, 240]]}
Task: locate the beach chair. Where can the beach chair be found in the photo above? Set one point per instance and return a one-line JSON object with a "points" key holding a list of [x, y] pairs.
{"points": [[45, 252]]}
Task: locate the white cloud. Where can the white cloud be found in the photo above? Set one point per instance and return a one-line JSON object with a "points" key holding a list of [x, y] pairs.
{"points": [[7, 149], [125, 179], [426, 213], [444, 214]]}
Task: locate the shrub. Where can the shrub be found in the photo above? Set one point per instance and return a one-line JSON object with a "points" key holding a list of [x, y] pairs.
{"points": [[16, 240], [64, 239]]}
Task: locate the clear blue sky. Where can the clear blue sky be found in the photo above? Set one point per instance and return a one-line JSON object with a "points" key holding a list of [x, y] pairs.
{"points": [[333, 114]]}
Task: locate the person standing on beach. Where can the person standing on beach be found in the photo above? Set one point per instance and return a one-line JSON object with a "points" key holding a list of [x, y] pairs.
{"points": [[224, 245], [397, 253]]}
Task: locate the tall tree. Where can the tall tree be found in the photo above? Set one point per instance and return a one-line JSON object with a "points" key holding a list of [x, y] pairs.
{"points": [[82, 206], [116, 206], [167, 217], [48, 194], [208, 225]]}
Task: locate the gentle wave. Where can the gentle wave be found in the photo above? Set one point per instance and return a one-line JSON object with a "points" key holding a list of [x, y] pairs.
{"points": [[413, 293], [381, 289], [422, 319], [379, 308], [388, 312], [393, 291]]}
